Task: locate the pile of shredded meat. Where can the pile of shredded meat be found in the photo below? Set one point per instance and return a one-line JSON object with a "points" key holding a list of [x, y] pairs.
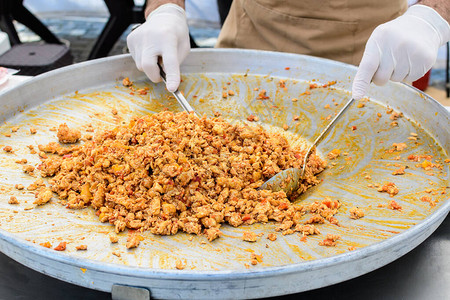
{"points": [[172, 172]]}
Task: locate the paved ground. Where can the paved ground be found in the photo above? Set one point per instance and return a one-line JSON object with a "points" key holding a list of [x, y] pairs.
{"points": [[81, 29]]}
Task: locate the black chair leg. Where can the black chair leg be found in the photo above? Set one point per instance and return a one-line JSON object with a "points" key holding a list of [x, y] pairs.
{"points": [[224, 8], [6, 22], [6, 25], [112, 31], [122, 14], [24, 16], [193, 43]]}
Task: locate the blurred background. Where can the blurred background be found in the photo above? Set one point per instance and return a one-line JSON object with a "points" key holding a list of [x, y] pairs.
{"points": [[79, 23]]}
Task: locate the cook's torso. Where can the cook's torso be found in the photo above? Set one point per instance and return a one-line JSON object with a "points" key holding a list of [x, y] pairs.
{"points": [[335, 29]]}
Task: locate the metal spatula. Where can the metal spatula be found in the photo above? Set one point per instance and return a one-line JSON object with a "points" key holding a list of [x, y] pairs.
{"points": [[289, 179], [177, 94]]}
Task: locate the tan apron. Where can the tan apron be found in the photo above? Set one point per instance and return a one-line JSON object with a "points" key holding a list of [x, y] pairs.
{"points": [[335, 29]]}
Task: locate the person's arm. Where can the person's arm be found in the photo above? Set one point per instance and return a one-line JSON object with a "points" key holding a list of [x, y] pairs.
{"points": [[404, 49], [152, 5], [165, 35], [442, 7]]}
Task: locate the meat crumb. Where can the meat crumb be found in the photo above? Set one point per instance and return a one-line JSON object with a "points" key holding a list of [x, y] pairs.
{"points": [[179, 265], [46, 245], [127, 82], [29, 169], [394, 205], [19, 186], [14, 129], [389, 188], [426, 165], [399, 146], [272, 237], [133, 240], [325, 209], [252, 118], [399, 171], [315, 219], [116, 253], [395, 115], [43, 196], [21, 161], [330, 241], [13, 200], [249, 236], [262, 95], [333, 154], [66, 135], [356, 213], [113, 238], [255, 258], [32, 187], [212, 233], [81, 247], [7, 149], [142, 91], [61, 246], [33, 130], [307, 229], [429, 200]]}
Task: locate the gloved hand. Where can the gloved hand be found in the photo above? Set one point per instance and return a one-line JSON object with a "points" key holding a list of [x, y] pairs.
{"points": [[164, 34], [403, 49]]}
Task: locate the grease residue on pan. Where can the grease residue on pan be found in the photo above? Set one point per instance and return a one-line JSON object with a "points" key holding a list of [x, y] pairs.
{"points": [[364, 134]]}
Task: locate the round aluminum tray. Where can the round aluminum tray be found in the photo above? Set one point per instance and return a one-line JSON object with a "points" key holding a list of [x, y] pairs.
{"points": [[87, 92]]}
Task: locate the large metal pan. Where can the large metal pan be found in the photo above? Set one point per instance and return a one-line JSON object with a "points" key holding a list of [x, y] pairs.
{"points": [[87, 92]]}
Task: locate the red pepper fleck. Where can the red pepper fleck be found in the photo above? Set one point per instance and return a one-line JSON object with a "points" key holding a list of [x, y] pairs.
{"points": [[283, 206], [61, 246], [246, 217]]}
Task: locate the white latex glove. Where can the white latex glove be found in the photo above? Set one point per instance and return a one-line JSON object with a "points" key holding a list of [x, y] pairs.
{"points": [[403, 49], [164, 34]]}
